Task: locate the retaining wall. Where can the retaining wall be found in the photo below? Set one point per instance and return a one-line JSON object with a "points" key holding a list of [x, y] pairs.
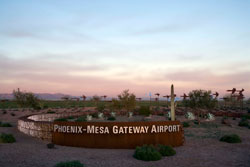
{"points": [[41, 126]]}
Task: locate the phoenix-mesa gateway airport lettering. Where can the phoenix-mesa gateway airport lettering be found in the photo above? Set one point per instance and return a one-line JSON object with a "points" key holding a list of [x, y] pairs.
{"points": [[92, 129]]}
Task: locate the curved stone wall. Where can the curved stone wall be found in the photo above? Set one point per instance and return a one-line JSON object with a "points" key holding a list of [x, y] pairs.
{"points": [[41, 126]]}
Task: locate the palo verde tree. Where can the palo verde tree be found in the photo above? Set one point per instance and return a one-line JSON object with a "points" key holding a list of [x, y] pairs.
{"points": [[96, 99], [115, 105], [128, 100], [201, 99], [26, 99]]}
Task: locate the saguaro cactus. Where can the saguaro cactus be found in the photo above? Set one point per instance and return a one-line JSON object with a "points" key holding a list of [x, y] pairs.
{"points": [[173, 104]]}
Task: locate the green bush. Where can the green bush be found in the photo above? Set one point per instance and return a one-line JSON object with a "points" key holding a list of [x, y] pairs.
{"points": [[111, 118], [7, 138], [5, 124], [100, 107], [50, 112], [243, 122], [147, 153], [144, 110], [50, 145], [94, 115], [61, 119], [70, 117], [69, 164], [231, 138], [81, 119], [246, 116], [166, 150], [185, 124]]}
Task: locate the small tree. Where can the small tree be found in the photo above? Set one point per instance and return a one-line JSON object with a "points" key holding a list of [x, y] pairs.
{"points": [[26, 99], [128, 100], [96, 99], [201, 99], [115, 105]]}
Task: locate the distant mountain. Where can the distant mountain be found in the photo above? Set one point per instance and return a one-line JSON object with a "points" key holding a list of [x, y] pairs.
{"points": [[44, 96]]}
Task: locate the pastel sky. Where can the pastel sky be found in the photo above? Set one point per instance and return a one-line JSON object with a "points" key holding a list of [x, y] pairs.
{"points": [[103, 47]]}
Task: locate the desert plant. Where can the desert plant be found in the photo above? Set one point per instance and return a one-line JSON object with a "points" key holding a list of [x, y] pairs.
{"points": [[26, 99], [130, 114], [96, 99], [190, 116], [201, 99], [115, 105], [61, 119], [89, 117], [113, 114], [166, 150], [128, 100], [210, 117], [5, 124], [185, 124], [111, 118], [81, 119], [7, 138], [144, 110], [243, 122], [69, 164], [101, 107], [168, 115], [147, 153], [94, 115], [50, 112], [231, 138], [50, 145], [13, 114], [70, 117], [100, 115]]}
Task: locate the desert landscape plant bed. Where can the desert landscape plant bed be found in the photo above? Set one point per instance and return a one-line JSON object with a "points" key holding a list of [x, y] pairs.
{"points": [[69, 164], [147, 153], [231, 138], [166, 150], [5, 124], [7, 138]]}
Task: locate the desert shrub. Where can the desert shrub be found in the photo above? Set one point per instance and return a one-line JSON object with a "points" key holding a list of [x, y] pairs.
{"points": [[50, 112], [243, 122], [45, 106], [100, 107], [70, 117], [7, 138], [111, 118], [166, 150], [13, 114], [144, 110], [196, 122], [26, 99], [231, 138], [50, 145], [185, 124], [147, 153], [94, 115], [61, 119], [69, 164], [5, 124], [246, 116], [4, 112], [81, 119]]}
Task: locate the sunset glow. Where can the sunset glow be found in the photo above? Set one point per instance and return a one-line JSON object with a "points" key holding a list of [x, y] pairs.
{"points": [[104, 47]]}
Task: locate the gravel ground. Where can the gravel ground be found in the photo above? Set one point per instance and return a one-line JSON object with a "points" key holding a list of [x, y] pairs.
{"points": [[201, 149]]}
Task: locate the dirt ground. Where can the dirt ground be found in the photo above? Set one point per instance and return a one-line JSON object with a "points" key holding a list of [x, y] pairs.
{"points": [[202, 148]]}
